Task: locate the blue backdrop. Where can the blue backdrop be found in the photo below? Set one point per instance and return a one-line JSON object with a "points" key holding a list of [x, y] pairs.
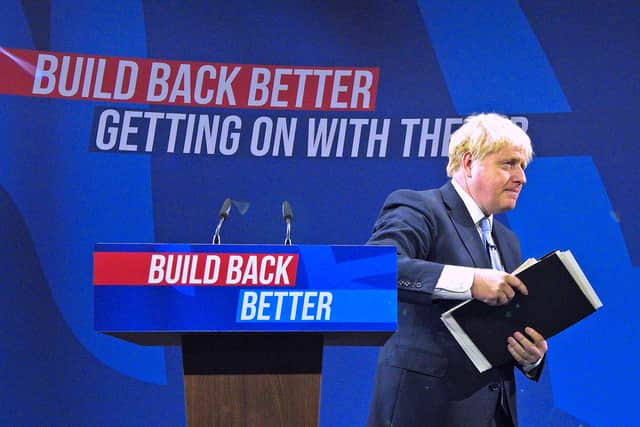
{"points": [[569, 72]]}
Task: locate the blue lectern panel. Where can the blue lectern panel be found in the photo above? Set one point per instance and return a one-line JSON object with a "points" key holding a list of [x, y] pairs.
{"points": [[182, 288]]}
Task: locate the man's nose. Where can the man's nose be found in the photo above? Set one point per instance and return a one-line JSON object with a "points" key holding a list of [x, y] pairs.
{"points": [[519, 175]]}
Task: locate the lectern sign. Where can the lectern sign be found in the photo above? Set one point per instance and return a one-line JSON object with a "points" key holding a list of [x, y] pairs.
{"points": [[176, 287], [187, 269]]}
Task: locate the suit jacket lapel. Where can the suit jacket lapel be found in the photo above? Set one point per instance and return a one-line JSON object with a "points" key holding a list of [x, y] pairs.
{"points": [[464, 226], [508, 255]]}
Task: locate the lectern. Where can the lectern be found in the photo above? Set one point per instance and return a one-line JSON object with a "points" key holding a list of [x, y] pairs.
{"points": [[251, 319]]}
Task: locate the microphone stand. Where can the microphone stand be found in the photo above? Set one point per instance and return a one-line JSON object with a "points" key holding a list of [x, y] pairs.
{"points": [[223, 214], [287, 214]]}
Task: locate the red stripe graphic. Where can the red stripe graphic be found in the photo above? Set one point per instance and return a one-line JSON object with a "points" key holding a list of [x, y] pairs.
{"points": [[194, 269], [186, 83]]}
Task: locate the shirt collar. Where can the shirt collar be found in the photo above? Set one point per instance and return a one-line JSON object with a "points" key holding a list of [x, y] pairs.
{"points": [[472, 207]]}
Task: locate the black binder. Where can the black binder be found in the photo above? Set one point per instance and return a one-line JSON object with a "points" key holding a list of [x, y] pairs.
{"points": [[559, 296]]}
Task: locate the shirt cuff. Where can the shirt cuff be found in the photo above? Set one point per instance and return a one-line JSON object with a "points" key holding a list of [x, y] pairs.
{"points": [[454, 283], [529, 368]]}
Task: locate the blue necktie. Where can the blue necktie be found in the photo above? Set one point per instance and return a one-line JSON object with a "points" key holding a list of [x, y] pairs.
{"points": [[491, 248]]}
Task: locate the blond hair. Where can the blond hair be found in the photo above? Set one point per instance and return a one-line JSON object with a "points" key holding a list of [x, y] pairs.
{"points": [[484, 134]]}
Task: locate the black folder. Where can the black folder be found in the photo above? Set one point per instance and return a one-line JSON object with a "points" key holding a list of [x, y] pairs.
{"points": [[559, 296]]}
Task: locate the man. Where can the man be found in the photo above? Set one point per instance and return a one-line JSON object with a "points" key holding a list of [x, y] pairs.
{"points": [[423, 376]]}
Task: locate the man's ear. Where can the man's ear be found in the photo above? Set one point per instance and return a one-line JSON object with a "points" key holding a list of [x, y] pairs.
{"points": [[467, 162]]}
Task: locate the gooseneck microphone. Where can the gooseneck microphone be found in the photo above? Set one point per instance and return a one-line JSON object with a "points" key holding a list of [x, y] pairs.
{"points": [[222, 215], [287, 214]]}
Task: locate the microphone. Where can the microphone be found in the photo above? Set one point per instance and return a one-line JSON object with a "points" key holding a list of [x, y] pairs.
{"points": [[287, 215], [222, 215]]}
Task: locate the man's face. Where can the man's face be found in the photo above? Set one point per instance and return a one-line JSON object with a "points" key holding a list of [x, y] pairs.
{"points": [[495, 181]]}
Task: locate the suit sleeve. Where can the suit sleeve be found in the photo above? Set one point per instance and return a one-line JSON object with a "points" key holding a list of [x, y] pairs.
{"points": [[406, 223]]}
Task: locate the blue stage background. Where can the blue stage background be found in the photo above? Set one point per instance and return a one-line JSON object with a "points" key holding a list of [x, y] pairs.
{"points": [[571, 69]]}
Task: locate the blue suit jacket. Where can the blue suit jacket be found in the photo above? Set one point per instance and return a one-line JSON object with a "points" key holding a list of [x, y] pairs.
{"points": [[423, 377]]}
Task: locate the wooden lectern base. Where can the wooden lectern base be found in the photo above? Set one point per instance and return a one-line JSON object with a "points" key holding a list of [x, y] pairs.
{"points": [[247, 379]]}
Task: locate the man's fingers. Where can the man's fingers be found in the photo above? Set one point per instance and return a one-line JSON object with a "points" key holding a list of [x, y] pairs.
{"points": [[516, 350], [533, 334], [509, 292], [500, 298], [496, 287], [533, 349], [515, 354], [538, 340], [514, 282], [524, 348]]}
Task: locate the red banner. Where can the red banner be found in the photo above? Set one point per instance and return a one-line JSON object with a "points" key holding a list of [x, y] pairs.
{"points": [[194, 269], [186, 83]]}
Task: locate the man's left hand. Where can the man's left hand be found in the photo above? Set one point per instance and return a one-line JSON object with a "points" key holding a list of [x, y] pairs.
{"points": [[527, 350]]}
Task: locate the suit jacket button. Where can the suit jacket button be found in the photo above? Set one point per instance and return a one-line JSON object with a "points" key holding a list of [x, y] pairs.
{"points": [[494, 387]]}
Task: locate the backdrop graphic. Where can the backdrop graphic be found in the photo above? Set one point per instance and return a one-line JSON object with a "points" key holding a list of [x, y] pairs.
{"points": [[569, 76]]}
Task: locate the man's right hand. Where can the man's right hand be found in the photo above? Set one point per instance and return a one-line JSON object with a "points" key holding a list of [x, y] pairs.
{"points": [[495, 287]]}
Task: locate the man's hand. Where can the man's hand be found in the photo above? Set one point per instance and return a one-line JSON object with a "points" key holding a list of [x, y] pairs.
{"points": [[527, 350], [495, 287]]}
